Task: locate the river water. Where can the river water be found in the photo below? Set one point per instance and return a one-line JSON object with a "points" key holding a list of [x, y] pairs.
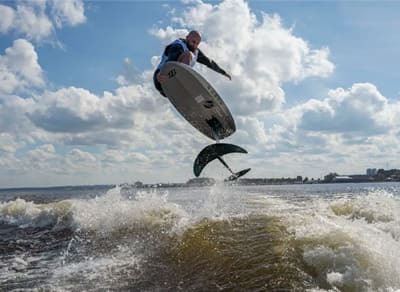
{"points": [[327, 237]]}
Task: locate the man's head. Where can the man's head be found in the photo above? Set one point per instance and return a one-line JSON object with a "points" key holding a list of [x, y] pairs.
{"points": [[193, 40]]}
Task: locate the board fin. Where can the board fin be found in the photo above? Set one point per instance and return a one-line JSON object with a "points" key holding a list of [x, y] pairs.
{"points": [[216, 151], [216, 126]]}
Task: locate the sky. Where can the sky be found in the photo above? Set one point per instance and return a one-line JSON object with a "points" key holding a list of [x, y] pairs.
{"points": [[314, 89]]}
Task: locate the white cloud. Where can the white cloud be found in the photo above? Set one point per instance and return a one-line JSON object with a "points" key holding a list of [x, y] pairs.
{"points": [[129, 74], [168, 34], [12, 116], [42, 159], [349, 130], [76, 110], [7, 16], [71, 12], [359, 109], [134, 117], [9, 166], [136, 133], [20, 72], [80, 160], [42, 154], [68, 110], [254, 130], [19, 68], [31, 20], [7, 143], [110, 158]]}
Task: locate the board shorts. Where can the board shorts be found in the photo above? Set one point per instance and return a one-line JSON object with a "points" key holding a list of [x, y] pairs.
{"points": [[157, 84]]}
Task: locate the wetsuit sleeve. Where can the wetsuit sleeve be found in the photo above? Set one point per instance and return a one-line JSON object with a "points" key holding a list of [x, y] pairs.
{"points": [[203, 59]]}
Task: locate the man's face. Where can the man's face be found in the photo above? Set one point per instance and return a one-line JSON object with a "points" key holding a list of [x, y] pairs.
{"points": [[193, 42]]}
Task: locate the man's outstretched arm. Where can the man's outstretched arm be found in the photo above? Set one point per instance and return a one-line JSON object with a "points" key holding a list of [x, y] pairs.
{"points": [[203, 59]]}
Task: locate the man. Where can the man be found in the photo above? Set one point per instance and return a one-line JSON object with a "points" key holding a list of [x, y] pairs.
{"points": [[184, 51]]}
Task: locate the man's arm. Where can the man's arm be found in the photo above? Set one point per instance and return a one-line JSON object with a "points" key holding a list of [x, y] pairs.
{"points": [[203, 59], [173, 52]]}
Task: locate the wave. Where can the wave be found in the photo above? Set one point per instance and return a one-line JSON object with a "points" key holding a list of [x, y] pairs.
{"points": [[28, 214], [109, 213], [251, 253], [351, 243], [140, 212], [223, 238]]}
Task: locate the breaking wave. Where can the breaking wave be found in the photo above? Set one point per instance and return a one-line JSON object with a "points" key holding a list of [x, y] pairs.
{"points": [[218, 238]]}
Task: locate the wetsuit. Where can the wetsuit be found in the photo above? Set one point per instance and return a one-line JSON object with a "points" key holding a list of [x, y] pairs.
{"points": [[172, 53]]}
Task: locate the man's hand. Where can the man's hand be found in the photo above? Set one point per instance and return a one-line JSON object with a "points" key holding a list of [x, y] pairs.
{"points": [[229, 76], [161, 77]]}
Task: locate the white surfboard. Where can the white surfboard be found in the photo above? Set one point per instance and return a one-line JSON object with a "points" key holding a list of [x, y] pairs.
{"points": [[197, 101]]}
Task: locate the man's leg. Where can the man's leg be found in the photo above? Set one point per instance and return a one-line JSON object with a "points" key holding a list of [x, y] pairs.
{"points": [[157, 84], [185, 57]]}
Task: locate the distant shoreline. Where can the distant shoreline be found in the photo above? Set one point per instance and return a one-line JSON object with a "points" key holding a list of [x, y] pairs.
{"points": [[181, 185]]}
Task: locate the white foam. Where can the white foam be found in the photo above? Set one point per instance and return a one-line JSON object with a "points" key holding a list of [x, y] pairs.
{"points": [[24, 213], [350, 241], [359, 241], [103, 268], [335, 278], [114, 212], [215, 205]]}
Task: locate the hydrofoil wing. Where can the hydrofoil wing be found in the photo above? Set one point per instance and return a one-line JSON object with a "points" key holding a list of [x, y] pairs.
{"points": [[214, 151]]}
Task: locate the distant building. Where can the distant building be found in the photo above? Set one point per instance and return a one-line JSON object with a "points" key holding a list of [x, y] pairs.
{"points": [[201, 181], [362, 178], [372, 171], [138, 184], [342, 178]]}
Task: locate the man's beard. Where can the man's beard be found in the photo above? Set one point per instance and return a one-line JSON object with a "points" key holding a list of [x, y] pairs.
{"points": [[191, 48]]}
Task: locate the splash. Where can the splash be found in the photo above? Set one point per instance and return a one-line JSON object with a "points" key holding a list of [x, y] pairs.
{"points": [[222, 237], [217, 203], [351, 243], [112, 212], [28, 214], [115, 213], [114, 269]]}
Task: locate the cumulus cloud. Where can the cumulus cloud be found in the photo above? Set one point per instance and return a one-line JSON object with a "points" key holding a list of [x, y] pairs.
{"points": [[252, 130], [80, 160], [7, 143], [13, 119], [111, 157], [77, 110], [19, 68], [68, 110], [33, 21], [20, 72], [129, 75], [7, 15], [137, 132], [42, 154], [168, 34], [261, 53], [133, 117], [359, 109], [70, 12], [42, 159], [348, 130], [9, 166]]}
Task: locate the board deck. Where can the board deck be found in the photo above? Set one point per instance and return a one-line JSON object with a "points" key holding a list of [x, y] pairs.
{"points": [[197, 101]]}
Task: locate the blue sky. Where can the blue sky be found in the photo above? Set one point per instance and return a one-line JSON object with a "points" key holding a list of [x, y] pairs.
{"points": [[314, 89]]}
